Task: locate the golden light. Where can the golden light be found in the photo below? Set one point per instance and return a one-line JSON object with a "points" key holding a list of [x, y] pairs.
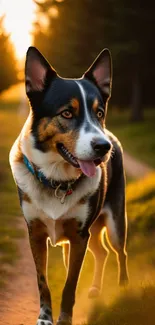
{"points": [[19, 16]]}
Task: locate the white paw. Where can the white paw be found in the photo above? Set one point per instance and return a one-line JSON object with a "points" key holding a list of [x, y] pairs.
{"points": [[43, 322]]}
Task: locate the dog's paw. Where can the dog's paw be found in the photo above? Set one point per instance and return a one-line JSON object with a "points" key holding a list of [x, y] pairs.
{"points": [[44, 322], [93, 293], [64, 319], [45, 317]]}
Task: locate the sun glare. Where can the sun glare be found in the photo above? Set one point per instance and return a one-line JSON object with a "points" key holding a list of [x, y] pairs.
{"points": [[19, 16]]}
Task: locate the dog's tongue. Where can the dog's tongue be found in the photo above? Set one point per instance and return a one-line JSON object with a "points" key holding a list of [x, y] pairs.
{"points": [[88, 167]]}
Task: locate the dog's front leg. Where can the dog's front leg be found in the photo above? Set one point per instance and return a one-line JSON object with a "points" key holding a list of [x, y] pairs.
{"points": [[78, 245], [38, 241]]}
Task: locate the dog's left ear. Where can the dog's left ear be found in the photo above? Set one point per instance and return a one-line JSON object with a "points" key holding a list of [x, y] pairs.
{"points": [[100, 72]]}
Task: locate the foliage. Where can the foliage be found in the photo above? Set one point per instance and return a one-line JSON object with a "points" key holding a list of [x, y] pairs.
{"points": [[8, 72]]}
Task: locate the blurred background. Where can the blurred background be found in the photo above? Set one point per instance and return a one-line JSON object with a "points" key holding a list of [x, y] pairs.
{"points": [[70, 34]]}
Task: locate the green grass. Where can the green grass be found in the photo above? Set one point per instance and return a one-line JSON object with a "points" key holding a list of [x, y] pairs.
{"points": [[9, 206], [137, 138]]}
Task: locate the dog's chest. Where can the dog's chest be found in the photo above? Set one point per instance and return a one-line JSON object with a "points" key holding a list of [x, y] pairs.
{"points": [[53, 209], [58, 228], [67, 225]]}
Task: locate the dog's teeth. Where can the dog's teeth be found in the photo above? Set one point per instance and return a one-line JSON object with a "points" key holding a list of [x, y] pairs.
{"points": [[69, 155]]}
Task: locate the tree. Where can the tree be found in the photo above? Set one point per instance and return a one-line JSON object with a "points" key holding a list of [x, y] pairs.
{"points": [[8, 72], [133, 51]]}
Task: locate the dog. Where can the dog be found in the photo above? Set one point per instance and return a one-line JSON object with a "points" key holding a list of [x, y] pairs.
{"points": [[69, 172]]}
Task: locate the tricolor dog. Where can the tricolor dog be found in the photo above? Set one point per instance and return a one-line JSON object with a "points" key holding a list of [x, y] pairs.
{"points": [[69, 172]]}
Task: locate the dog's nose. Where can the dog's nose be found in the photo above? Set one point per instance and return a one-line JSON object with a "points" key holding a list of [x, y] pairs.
{"points": [[101, 146]]}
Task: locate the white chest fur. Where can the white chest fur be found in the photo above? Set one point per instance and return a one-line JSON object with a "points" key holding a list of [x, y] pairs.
{"points": [[43, 203]]}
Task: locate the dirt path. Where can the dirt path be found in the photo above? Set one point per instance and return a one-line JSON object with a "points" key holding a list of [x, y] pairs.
{"points": [[135, 168], [19, 303]]}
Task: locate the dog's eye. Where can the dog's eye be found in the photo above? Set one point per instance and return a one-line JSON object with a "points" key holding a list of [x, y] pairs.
{"points": [[67, 114], [100, 113]]}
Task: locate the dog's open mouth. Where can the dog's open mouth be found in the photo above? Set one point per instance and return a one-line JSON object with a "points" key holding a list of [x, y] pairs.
{"points": [[67, 155], [88, 167]]}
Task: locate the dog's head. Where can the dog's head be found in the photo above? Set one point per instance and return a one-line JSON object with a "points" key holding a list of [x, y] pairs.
{"points": [[69, 114]]}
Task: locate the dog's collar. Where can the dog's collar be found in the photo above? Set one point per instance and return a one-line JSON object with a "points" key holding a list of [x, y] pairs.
{"points": [[66, 187]]}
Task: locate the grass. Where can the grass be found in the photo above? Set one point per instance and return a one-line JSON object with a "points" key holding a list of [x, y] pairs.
{"points": [[9, 206], [132, 308], [137, 138]]}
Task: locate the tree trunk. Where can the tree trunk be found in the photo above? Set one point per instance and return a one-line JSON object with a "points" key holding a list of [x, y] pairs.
{"points": [[136, 100]]}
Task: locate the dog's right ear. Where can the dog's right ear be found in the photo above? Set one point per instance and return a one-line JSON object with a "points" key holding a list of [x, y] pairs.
{"points": [[38, 72]]}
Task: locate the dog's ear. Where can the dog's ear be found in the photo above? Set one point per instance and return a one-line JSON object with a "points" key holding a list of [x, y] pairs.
{"points": [[100, 72], [38, 72]]}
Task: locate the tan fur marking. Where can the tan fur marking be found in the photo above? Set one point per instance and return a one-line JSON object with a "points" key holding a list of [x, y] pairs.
{"points": [[95, 105], [83, 200], [49, 134], [26, 198], [75, 104], [68, 139], [18, 157], [46, 129]]}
